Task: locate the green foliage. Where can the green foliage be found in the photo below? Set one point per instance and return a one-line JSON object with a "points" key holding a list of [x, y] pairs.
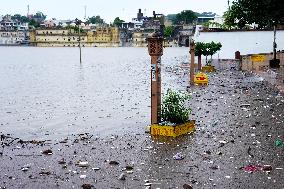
{"points": [[207, 49], [265, 13], [186, 17], [199, 48], [172, 17], [168, 31], [117, 21], [20, 18], [34, 23], [213, 48], [95, 20], [173, 110]]}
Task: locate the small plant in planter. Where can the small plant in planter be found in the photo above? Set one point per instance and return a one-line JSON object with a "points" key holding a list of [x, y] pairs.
{"points": [[174, 116], [173, 110]]}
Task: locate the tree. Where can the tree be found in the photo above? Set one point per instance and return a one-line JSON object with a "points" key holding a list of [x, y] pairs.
{"points": [[186, 17], [95, 20], [168, 31], [39, 17], [20, 18], [117, 21], [199, 50], [265, 13], [172, 18], [213, 48], [206, 49], [34, 23]]}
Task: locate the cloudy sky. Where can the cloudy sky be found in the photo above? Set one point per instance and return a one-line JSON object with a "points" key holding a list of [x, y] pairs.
{"points": [[109, 9]]}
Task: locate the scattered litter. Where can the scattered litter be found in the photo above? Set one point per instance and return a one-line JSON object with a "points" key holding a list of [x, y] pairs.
{"points": [[178, 156], [83, 164], [129, 168], [279, 143], [255, 168], [25, 169], [186, 186], [122, 176], [113, 163], [244, 105], [214, 167], [267, 168], [47, 152], [83, 176], [87, 186]]}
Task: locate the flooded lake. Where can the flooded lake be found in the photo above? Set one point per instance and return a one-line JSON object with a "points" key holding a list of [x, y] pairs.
{"points": [[46, 93]]}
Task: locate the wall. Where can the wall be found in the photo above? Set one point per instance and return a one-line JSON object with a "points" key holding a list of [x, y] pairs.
{"points": [[249, 65]]}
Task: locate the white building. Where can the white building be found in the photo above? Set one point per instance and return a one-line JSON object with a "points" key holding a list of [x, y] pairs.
{"points": [[12, 37], [217, 22]]}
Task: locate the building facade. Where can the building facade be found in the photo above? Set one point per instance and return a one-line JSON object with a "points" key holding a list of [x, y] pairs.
{"points": [[70, 38], [12, 37]]}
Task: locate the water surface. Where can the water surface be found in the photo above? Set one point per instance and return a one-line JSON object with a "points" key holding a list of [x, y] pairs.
{"points": [[46, 92]]}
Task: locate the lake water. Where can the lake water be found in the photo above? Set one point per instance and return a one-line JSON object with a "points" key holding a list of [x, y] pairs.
{"points": [[46, 93], [245, 42]]}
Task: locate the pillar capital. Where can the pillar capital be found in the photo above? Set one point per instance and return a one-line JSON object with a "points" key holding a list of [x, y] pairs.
{"points": [[155, 46]]}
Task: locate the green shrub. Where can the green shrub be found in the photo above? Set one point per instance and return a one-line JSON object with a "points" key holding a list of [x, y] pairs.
{"points": [[173, 110]]}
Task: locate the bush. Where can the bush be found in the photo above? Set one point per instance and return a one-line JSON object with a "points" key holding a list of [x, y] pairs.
{"points": [[173, 110]]}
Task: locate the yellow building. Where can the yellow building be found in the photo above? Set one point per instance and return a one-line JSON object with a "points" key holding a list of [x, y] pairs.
{"points": [[106, 35], [69, 38], [139, 38]]}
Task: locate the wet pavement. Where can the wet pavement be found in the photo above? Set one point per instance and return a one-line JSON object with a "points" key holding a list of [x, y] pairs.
{"points": [[237, 144]]}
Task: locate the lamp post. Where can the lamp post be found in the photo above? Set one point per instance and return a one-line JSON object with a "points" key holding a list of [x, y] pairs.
{"points": [[155, 50], [274, 63], [78, 23], [192, 51]]}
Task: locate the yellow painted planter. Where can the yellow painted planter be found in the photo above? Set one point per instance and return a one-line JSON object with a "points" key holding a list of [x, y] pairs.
{"points": [[201, 79], [172, 131], [208, 69]]}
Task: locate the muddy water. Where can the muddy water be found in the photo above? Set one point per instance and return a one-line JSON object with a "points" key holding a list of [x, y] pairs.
{"points": [[46, 93]]}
